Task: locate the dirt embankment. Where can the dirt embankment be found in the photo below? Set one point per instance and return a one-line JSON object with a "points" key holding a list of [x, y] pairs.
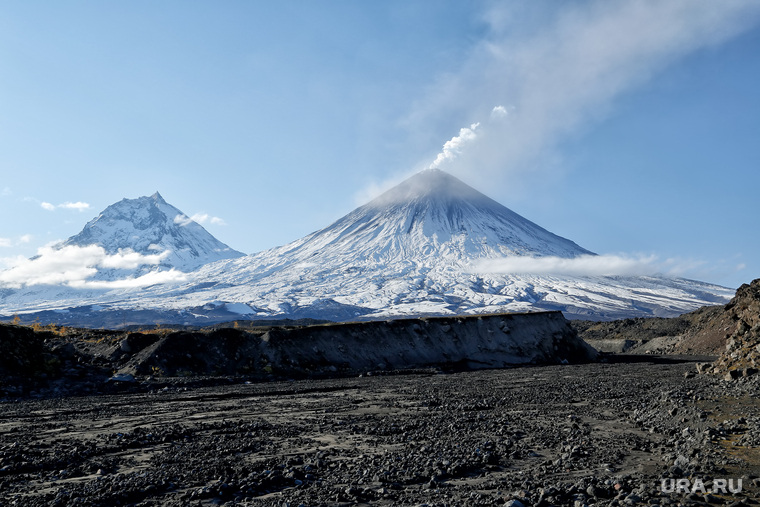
{"points": [[703, 332], [731, 332], [84, 359]]}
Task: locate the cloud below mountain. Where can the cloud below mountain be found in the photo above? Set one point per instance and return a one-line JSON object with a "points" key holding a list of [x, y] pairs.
{"points": [[586, 265], [74, 266], [199, 218]]}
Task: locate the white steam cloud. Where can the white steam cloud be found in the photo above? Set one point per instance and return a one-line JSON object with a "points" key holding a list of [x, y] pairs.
{"points": [[74, 265], [587, 265], [454, 146], [561, 66]]}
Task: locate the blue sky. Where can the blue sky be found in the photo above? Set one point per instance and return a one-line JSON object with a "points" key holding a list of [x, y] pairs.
{"points": [[631, 128]]}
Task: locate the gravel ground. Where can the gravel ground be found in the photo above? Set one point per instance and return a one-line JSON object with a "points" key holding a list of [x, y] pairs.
{"points": [[594, 434]]}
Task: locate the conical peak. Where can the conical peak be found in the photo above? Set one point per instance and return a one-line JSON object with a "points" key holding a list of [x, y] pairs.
{"points": [[427, 184]]}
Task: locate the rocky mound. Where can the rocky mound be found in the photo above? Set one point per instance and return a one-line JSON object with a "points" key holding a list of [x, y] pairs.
{"points": [[741, 357], [23, 355], [703, 332]]}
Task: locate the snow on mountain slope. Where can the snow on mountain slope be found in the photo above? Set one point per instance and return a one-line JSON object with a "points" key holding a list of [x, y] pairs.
{"points": [[150, 226], [415, 250], [131, 244]]}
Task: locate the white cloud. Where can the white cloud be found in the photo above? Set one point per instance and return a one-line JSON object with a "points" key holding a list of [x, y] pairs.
{"points": [[79, 206], [499, 112], [199, 218], [74, 265], [561, 68], [6, 192], [8, 242], [129, 259], [182, 220], [587, 265], [152, 278]]}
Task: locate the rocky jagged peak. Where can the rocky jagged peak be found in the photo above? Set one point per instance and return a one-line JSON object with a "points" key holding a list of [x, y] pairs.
{"points": [[157, 198], [742, 355], [150, 225]]}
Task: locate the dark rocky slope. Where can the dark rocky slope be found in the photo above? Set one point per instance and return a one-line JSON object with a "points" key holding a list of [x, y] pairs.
{"points": [[741, 356], [731, 332], [701, 332]]}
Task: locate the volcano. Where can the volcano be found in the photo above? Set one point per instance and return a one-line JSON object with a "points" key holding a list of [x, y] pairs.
{"points": [[436, 217], [150, 225], [413, 251]]}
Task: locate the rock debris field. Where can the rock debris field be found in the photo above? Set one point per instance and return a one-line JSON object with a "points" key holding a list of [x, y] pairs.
{"points": [[638, 430]]}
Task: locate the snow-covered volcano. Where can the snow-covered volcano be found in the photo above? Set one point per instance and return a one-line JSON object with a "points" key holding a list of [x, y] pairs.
{"points": [[151, 226], [418, 249], [434, 217], [415, 250]]}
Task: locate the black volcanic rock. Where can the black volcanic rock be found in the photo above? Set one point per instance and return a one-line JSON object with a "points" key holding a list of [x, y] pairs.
{"points": [[742, 355]]}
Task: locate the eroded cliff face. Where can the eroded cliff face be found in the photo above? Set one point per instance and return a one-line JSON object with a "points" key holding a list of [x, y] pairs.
{"points": [[491, 341], [62, 360], [742, 354]]}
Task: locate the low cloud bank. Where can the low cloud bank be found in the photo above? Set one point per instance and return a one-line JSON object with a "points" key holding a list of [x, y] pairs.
{"points": [[586, 265], [73, 266]]}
